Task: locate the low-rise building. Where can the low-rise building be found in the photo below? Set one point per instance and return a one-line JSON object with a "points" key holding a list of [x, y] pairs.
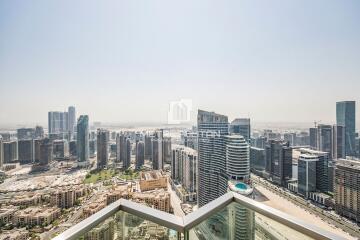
{"points": [[158, 199], [33, 216], [121, 191], [15, 234], [66, 197], [94, 207], [152, 180], [7, 214], [27, 200]]}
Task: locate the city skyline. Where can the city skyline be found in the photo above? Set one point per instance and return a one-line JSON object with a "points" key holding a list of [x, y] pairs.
{"points": [[109, 59], [189, 120]]}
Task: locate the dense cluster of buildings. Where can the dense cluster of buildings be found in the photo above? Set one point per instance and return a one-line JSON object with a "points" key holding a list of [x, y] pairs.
{"points": [[324, 169], [32, 146]]}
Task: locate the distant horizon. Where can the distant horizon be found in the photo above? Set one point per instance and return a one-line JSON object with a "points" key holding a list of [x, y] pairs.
{"points": [[254, 124]]}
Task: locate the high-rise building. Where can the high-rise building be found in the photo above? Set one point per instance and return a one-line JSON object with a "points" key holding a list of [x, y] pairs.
{"points": [[61, 149], [166, 141], [1, 152], [357, 147], [313, 137], [157, 154], [184, 168], [325, 135], [92, 147], [140, 154], [73, 148], [307, 174], [279, 161], [257, 159], [241, 126], [189, 139], [102, 148], [212, 180], [345, 116], [237, 157], [118, 147], [321, 168], [123, 150], [58, 122], [10, 151], [37, 143], [83, 141], [338, 141], [127, 161], [347, 188], [291, 138], [25, 133], [148, 147], [54, 120], [72, 120], [39, 132], [6, 136], [260, 142], [26, 151], [46, 152]]}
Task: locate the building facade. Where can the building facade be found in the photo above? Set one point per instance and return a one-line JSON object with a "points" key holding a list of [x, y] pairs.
{"points": [[241, 126], [338, 141], [347, 189], [102, 148], [212, 179], [72, 120], [279, 161], [82, 143], [345, 116], [237, 158], [140, 154], [26, 153], [325, 138], [184, 167], [307, 174]]}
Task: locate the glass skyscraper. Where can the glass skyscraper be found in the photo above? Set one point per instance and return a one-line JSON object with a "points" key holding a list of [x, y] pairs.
{"points": [[241, 126], [212, 182], [83, 140], [72, 119], [345, 116]]}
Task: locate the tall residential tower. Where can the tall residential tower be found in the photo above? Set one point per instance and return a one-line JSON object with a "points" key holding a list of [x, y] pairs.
{"points": [[345, 116], [83, 140], [212, 180]]}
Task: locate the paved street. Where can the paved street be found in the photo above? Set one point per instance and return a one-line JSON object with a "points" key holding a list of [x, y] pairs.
{"points": [[326, 216]]}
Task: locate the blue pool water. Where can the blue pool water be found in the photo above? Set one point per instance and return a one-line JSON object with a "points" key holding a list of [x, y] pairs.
{"points": [[241, 186]]}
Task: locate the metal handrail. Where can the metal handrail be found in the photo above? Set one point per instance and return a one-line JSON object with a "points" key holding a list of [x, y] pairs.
{"points": [[184, 224]]}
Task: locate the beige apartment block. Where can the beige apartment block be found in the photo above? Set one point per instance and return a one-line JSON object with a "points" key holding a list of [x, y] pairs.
{"points": [[33, 216], [152, 180], [158, 199], [7, 214], [27, 200], [94, 207], [66, 197]]}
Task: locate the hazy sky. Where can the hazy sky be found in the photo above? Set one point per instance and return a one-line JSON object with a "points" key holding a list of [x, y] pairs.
{"points": [[123, 61]]}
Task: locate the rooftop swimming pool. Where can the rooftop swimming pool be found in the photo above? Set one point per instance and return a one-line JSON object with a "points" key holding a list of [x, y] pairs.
{"points": [[240, 187]]}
